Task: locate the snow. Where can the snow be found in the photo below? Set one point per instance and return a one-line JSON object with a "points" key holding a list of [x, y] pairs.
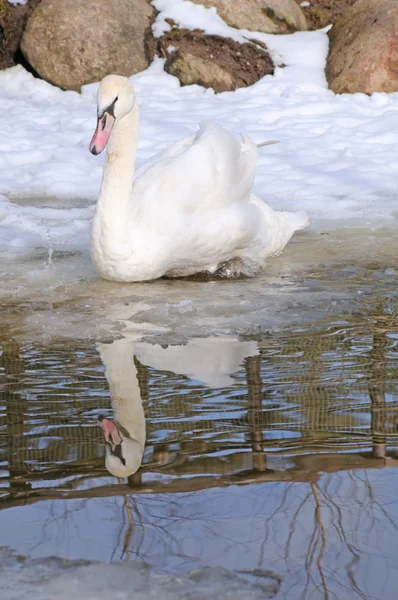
{"points": [[42, 579], [335, 158]]}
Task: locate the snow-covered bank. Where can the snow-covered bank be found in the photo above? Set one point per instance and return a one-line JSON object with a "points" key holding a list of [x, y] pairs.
{"points": [[336, 158]]}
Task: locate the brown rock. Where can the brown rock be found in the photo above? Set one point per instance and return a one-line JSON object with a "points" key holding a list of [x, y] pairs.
{"points": [[73, 42], [268, 16], [363, 54], [191, 69], [321, 13], [213, 61], [12, 23]]}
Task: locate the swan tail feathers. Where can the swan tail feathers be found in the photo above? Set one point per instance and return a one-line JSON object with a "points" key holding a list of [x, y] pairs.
{"points": [[278, 226], [298, 220], [268, 143]]}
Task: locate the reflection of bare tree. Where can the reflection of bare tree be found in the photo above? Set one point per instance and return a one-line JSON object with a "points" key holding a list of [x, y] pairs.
{"points": [[130, 529], [330, 512], [320, 529], [73, 443], [339, 509], [255, 404], [16, 405], [377, 378]]}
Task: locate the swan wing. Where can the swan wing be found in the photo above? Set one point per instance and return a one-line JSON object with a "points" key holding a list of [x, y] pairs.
{"points": [[209, 170], [195, 210]]}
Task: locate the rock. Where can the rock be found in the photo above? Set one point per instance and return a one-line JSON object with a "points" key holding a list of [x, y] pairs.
{"points": [[212, 61], [192, 69], [363, 54], [319, 13], [12, 23], [73, 42], [268, 16]]}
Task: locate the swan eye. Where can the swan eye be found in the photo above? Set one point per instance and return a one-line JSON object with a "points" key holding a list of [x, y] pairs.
{"points": [[117, 98]]}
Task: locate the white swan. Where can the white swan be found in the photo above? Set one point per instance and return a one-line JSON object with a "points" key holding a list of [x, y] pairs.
{"points": [[188, 209], [125, 435]]}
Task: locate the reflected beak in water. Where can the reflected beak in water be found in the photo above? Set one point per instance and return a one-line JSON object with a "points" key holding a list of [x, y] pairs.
{"points": [[111, 432]]}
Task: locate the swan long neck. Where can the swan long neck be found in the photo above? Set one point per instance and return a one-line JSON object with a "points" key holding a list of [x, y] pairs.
{"points": [[125, 392], [114, 204]]}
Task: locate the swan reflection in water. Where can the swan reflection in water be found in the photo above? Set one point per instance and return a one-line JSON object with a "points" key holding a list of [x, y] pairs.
{"points": [[211, 361], [125, 435]]}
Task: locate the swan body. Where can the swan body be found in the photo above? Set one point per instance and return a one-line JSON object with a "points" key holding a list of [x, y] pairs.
{"points": [[186, 210]]}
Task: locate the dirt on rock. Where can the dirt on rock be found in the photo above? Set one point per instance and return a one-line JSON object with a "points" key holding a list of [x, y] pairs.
{"points": [[211, 60], [13, 19], [321, 13]]}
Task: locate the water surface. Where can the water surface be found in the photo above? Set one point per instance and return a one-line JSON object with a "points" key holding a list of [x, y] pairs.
{"points": [[273, 457]]}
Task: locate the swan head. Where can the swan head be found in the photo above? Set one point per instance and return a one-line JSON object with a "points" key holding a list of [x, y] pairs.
{"points": [[115, 98], [123, 454]]}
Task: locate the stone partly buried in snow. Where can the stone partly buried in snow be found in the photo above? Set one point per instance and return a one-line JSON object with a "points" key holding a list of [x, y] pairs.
{"points": [[213, 61], [73, 42], [268, 16], [363, 54]]}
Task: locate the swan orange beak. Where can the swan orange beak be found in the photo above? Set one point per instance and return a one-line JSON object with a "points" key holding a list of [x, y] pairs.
{"points": [[101, 133]]}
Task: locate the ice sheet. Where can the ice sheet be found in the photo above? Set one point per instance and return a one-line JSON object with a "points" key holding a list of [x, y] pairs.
{"points": [[45, 579]]}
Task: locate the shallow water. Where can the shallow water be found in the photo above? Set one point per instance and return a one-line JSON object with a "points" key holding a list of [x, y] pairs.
{"points": [[270, 408], [273, 456], [52, 294]]}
